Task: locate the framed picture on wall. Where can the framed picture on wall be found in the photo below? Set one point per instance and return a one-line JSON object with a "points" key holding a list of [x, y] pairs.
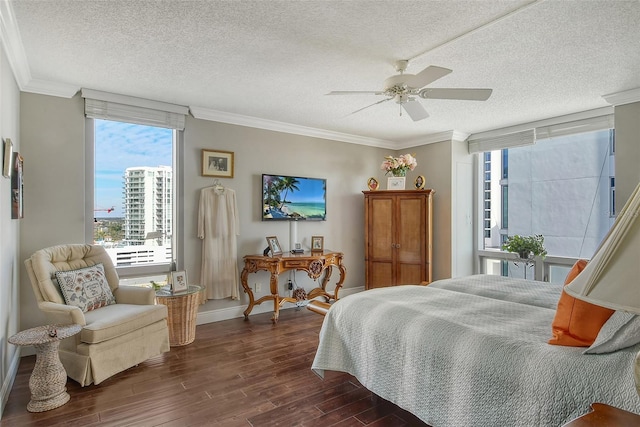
{"points": [[8, 158], [17, 188], [217, 163]]}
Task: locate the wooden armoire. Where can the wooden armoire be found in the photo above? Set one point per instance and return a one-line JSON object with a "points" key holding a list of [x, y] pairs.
{"points": [[398, 237]]}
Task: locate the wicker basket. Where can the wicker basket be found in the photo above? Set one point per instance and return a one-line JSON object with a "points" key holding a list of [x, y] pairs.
{"points": [[183, 310]]}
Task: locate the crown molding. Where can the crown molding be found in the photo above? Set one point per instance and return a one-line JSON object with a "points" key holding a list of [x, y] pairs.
{"points": [[625, 97], [14, 49], [45, 87], [12, 44], [450, 135], [254, 122]]}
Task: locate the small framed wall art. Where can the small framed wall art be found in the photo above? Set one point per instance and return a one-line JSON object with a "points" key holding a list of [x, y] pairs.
{"points": [[17, 187], [8, 158], [217, 163], [317, 243]]}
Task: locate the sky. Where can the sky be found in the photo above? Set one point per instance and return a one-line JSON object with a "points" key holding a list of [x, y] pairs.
{"points": [[309, 190], [119, 146]]}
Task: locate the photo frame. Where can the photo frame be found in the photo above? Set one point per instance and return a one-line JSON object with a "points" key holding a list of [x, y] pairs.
{"points": [[396, 183], [317, 243], [274, 245], [373, 184], [179, 281], [217, 163], [17, 187], [419, 183], [8, 158]]}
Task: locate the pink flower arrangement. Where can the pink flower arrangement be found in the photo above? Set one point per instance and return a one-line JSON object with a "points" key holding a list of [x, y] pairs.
{"points": [[398, 166]]}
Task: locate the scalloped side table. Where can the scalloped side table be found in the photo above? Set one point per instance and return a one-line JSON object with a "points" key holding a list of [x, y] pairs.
{"points": [[49, 379]]}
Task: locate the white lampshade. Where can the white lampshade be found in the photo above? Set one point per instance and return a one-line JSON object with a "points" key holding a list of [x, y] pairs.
{"points": [[612, 277]]}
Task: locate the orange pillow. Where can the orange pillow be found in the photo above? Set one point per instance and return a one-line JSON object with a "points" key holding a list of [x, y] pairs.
{"points": [[577, 322]]}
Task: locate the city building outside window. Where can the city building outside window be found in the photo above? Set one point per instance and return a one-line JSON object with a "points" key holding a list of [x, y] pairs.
{"points": [[561, 187], [133, 193]]}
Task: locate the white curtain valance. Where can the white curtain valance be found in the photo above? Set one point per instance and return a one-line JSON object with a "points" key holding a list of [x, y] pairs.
{"points": [[516, 139], [578, 126], [109, 106], [527, 134]]}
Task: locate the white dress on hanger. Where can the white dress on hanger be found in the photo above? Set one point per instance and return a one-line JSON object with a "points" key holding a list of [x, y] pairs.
{"points": [[218, 226]]}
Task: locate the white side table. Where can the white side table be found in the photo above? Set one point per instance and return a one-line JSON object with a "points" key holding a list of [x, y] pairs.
{"points": [[49, 379]]}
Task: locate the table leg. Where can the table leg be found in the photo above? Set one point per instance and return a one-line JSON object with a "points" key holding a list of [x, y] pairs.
{"points": [[48, 380], [273, 284], [248, 291]]}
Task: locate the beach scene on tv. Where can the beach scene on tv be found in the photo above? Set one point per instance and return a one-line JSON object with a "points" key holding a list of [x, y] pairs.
{"points": [[296, 198]]}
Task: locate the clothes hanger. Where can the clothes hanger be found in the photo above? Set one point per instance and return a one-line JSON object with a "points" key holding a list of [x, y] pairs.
{"points": [[218, 185]]}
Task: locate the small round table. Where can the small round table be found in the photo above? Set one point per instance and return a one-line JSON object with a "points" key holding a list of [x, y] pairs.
{"points": [[183, 311], [49, 379]]}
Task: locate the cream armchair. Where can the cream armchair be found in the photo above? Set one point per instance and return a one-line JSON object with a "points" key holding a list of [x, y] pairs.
{"points": [[114, 337]]}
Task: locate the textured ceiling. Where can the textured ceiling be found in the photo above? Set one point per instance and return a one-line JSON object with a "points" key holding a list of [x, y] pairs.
{"points": [[274, 61]]}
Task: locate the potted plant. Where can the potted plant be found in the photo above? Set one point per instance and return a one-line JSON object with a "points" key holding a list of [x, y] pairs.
{"points": [[526, 246]]}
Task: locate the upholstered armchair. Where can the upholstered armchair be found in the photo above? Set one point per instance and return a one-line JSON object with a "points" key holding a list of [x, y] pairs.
{"points": [[118, 332]]}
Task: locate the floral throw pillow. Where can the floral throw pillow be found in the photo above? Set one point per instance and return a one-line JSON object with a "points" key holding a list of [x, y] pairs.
{"points": [[86, 288]]}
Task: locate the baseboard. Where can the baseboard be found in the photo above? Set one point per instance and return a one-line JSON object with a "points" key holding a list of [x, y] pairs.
{"points": [[9, 379], [218, 315]]}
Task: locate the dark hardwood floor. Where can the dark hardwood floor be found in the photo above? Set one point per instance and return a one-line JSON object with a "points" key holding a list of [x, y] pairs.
{"points": [[236, 373]]}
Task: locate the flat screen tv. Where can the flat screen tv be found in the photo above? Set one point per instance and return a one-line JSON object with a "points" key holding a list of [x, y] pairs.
{"points": [[292, 198]]}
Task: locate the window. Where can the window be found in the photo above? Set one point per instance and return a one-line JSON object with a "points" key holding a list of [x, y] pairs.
{"points": [[133, 194], [133, 155], [559, 188]]}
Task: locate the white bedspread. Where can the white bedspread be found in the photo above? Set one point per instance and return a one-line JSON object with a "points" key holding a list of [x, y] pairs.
{"points": [[471, 352]]}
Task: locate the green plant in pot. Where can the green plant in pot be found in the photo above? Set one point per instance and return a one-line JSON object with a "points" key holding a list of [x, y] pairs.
{"points": [[526, 246]]}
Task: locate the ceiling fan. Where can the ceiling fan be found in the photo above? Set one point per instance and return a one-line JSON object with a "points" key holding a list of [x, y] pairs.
{"points": [[405, 88]]}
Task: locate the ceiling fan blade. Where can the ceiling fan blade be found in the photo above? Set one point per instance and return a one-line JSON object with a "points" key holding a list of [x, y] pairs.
{"points": [[375, 103], [465, 94], [415, 110], [426, 76], [354, 92]]}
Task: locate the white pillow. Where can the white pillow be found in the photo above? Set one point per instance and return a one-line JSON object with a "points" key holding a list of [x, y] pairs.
{"points": [[622, 330], [86, 288]]}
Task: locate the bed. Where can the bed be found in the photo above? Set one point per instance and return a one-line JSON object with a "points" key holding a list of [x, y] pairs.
{"points": [[471, 351]]}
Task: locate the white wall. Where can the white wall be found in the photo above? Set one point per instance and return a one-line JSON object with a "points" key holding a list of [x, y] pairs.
{"points": [[53, 141], [627, 122], [10, 262]]}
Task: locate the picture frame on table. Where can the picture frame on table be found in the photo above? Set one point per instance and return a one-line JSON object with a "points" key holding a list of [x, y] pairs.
{"points": [[274, 245], [317, 243], [373, 184], [396, 183], [419, 183], [217, 163], [179, 281], [8, 158]]}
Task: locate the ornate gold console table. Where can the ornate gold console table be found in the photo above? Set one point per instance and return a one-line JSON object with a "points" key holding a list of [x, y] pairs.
{"points": [[316, 264]]}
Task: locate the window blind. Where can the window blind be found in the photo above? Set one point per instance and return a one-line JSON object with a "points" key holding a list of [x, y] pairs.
{"points": [[529, 133], [109, 106], [516, 139], [577, 126]]}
